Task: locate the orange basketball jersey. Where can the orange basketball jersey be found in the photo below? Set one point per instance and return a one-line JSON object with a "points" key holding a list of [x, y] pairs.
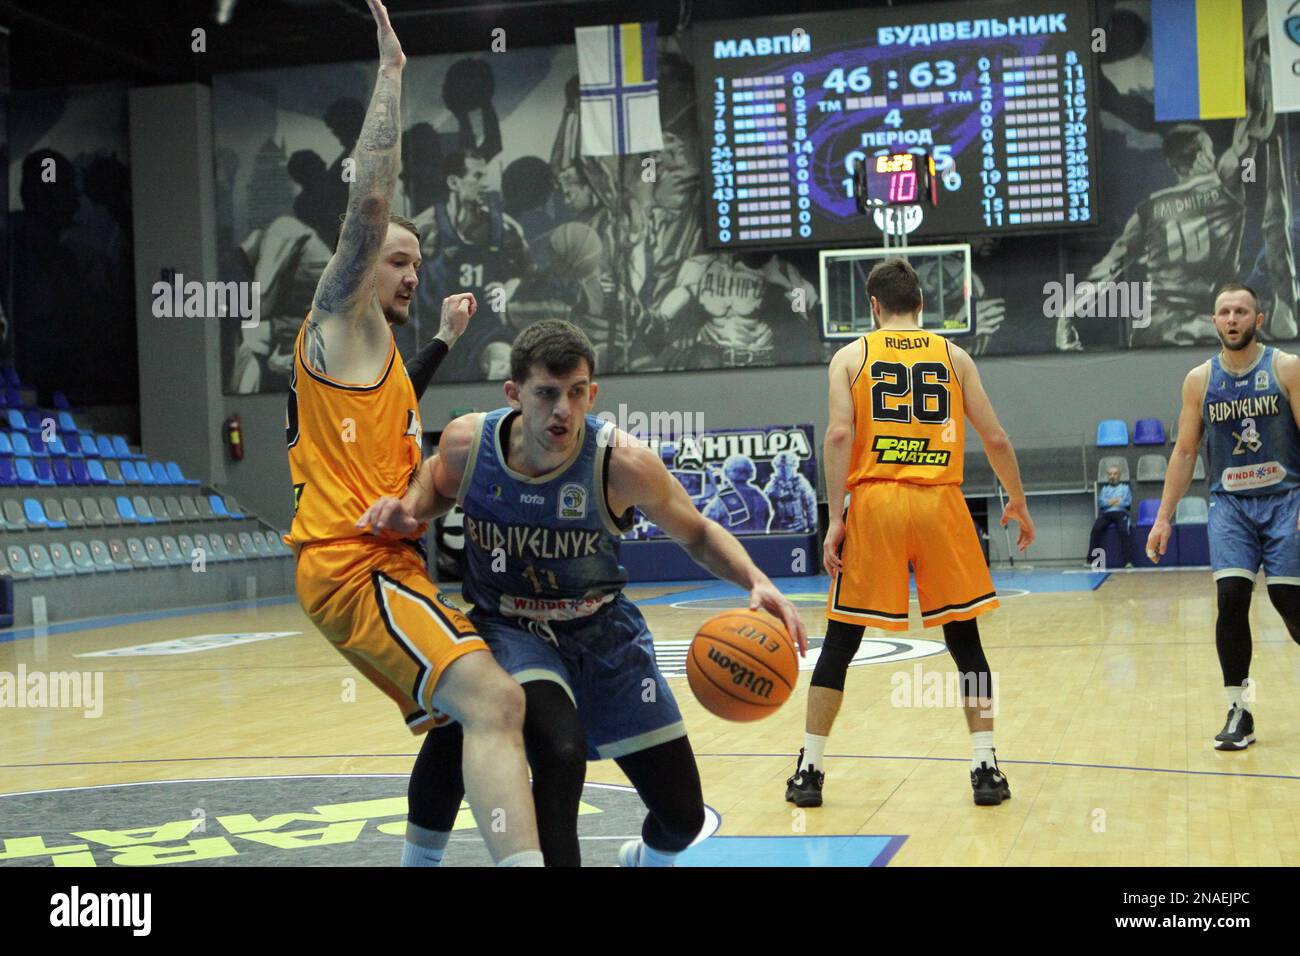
{"points": [[348, 445], [909, 418]]}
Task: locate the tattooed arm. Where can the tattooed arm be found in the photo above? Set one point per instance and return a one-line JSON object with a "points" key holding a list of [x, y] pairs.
{"points": [[347, 287]]}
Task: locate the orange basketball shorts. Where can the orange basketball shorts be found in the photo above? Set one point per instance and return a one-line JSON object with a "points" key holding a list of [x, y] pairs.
{"points": [[374, 601], [893, 523]]}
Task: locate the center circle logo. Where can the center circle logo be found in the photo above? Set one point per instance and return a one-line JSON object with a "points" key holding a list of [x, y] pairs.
{"points": [[322, 820]]}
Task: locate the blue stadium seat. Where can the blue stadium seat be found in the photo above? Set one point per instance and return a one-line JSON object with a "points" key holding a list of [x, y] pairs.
{"points": [[12, 398], [128, 472], [11, 376], [1112, 433], [127, 511], [177, 476], [44, 474], [105, 445], [67, 424], [8, 474], [62, 468], [88, 446], [26, 473], [35, 421], [123, 450], [143, 472], [1148, 431], [56, 447], [96, 468], [34, 513], [61, 401], [80, 473], [6, 446], [22, 447], [4, 399], [218, 506], [16, 421], [160, 476]]}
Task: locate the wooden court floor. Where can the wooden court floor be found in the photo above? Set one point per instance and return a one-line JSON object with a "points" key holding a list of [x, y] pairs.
{"points": [[1109, 702]]}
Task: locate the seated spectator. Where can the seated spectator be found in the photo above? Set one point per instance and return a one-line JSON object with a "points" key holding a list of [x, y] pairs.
{"points": [[1113, 501]]}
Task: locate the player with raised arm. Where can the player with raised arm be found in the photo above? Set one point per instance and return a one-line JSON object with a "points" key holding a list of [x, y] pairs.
{"points": [[898, 399], [1246, 400], [548, 490], [353, 429]]}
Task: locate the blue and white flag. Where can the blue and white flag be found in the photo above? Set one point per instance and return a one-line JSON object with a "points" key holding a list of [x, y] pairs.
{"points": [[619, 96]]}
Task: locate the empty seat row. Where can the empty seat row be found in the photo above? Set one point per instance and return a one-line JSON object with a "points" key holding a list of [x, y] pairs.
{"points": [[78, 557], [71, 472], [1113, 432], [55, 513], [26, 439], [1149, 468]]}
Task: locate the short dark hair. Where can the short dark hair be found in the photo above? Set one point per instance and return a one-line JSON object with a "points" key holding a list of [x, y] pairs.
{"points": [[393, 219], [1183, 143], [894, 285], [1238, 287], [454, 164], [553, 343]]}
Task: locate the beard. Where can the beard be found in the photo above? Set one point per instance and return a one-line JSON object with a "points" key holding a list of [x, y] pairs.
{"points": [[396, 316], [1247, 336]]}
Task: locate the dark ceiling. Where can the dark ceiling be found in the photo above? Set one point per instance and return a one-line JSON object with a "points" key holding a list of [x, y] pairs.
{"points": [[63, 42]]}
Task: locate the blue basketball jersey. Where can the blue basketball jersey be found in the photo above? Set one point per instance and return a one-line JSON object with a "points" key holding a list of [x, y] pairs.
{"points": [[543, 548], [1252, 442]]}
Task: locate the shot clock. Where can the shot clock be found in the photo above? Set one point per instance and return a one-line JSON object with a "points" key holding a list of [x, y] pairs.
{"points": [[895, 179]]}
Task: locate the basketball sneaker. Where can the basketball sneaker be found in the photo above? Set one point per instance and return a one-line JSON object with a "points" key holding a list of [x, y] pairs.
{"points": [[990, 786], [804, 789], [1238, 732]]}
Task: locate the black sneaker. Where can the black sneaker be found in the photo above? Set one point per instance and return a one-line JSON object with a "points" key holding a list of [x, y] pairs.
{"points": [[804, 789], [990, 786], [1238, 732]]}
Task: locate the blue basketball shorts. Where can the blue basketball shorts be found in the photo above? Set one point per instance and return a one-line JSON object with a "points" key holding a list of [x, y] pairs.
{"points": [[1250, 532], [605, 663]]}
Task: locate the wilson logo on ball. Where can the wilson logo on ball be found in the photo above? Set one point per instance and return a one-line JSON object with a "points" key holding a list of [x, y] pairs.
{"points": [[741, 675]]}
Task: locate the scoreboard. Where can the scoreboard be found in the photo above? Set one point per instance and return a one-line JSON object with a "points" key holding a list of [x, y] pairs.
{"points": [[1000, 95]]}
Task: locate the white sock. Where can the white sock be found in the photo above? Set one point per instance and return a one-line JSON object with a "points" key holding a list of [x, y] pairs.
{"points": [[424, 847], [982, 741], [1235, 695], [523, 858], [814, 751], [651, 857]]}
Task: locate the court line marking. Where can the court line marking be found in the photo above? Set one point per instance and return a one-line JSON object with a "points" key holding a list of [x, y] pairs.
{"points": [[115, 620], [966, 760]]}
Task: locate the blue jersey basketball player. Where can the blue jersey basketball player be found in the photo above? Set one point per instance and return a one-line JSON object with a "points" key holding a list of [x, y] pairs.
{"points": [[1246, 401], [547, 490]]}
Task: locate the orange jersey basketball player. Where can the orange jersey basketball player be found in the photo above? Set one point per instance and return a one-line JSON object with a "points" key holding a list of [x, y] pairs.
{"points": [[353, 430], [898, 400]]}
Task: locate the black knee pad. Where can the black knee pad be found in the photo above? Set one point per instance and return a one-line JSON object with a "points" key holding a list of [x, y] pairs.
{"points": [[841, 643], [1234, 599], [553, 735], [963, 640], [436, 787]]}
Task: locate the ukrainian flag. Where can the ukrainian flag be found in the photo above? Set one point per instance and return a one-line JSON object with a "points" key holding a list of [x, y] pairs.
{"points": [[619, 97], [1199, 57]]}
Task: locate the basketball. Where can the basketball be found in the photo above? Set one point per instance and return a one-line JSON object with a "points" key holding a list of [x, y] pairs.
{"points": [[742, 665], [576, 252]]}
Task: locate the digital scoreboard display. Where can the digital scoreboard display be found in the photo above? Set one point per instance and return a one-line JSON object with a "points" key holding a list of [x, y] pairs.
{"points": [[999, 95]]}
